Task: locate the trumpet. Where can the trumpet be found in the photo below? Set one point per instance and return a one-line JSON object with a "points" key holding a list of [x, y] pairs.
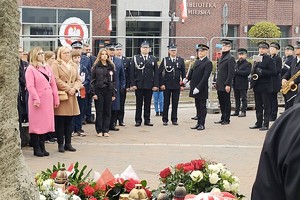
{"points": [[254, 77]]}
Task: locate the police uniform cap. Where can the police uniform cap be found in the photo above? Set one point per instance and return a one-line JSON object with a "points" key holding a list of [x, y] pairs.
{"points": [[119, 46], [242, 51], [297, 45], [76, 44], [264, 45], [226, 41], [201, 47], [172, 47], [109, 45], [289, 47], [275, 45], [145, 44]]}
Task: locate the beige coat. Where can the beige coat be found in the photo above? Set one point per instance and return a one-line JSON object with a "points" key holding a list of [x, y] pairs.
{"points": [[66, 79]]}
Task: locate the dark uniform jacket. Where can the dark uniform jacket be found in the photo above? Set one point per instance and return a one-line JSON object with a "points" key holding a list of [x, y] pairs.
{"points": [[171, 73], [278, 174], [119, 76], [126, 64], [264, 83], [225, 71], [144, 73], [241, 73], [277, 76], [286, 65], [199, 76], [294, 68], [87, 62]]}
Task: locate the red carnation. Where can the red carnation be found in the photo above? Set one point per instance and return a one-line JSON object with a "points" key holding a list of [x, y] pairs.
{"points": [[187, 167], [179, 166], [130, 184], [74, 189], [53, 175], [165, 173], [88, 191], [149, 193], [198, 164], [93, 198], [120, 180]]}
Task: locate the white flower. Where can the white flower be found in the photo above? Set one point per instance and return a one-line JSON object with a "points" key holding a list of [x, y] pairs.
{"points": [[48, 183], [226, 185], [215, 190], [214, 168], [235, 187], [42, 197], [75, 197], [60, 198], [227, 173], [196, 176], [213, 178], [236, 179], [221, 166]]}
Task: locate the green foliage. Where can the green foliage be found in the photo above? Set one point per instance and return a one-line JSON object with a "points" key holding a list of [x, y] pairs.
{"points": [[264, 30]]}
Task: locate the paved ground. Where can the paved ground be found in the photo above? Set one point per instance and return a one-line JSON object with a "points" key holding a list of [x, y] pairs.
{"points": [[151, 149]]}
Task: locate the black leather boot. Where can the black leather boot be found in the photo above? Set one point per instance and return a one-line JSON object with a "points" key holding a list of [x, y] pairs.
{"points": [[42, 145], [61, 148], [68, 147], [36, 145]]}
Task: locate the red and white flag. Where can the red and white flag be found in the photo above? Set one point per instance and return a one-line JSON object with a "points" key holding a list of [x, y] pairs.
{"points": [[109, 23], [183, 10]]}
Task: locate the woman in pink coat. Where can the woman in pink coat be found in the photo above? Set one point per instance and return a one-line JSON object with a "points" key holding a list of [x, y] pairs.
{"points": [[42, 100]]}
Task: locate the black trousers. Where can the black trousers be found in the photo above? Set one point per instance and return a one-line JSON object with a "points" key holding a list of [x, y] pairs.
{"points": [[113, 119], [201, 111], [240, 95], [121, 112], [88, 107], [225, 105], [174, 94], [263, 108], [143, 96], [274, 105], [103, 110], [63, 129]]}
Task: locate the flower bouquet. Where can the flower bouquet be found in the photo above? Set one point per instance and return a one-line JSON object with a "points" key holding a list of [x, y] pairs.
{"points": [[199, 176]]}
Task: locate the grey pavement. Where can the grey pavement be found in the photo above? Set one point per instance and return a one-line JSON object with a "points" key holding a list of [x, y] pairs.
{"points": [[150, 149]]}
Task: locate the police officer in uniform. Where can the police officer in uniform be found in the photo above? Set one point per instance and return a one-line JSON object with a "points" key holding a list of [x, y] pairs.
{"points": [[241, 83], [274, 50], [263, 87], [171, 72], [198, 77], [287, 61], [144, 79], [126, 65], [225, 73]]}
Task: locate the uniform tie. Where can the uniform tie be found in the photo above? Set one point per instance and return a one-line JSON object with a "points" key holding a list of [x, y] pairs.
{"points": [[145, 57]]}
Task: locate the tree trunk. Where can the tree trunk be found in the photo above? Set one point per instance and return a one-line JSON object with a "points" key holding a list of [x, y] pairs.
{"points": [[16, 181]]}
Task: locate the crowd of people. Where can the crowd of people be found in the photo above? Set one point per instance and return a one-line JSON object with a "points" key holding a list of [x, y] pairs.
{"points": [[57, 88]]}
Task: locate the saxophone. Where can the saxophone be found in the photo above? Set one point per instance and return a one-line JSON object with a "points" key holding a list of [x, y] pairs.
{"points": [[286, 88]]}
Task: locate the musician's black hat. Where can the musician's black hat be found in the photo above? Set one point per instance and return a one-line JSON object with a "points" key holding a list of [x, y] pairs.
{"points": [[242, 51], [289, 47], [264, 45], [275, 45]]}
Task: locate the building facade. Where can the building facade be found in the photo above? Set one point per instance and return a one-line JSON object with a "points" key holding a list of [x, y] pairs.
{"points": [[154, 20]]}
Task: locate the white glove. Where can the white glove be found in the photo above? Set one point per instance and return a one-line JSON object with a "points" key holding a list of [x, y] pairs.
{"points": [[195, 91], [185, 80]]}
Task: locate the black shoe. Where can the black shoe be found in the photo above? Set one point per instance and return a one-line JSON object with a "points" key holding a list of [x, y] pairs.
{"points": [[161, 114], [83, 122], [114, 129], [225, 123], [165, 123], [157, 114], [90, 122], [137, 124], [81, 131], [255, 127], [37, 151], [243, 114], [175, 123], [200, 128], [68, 147], [43, 149], [219, 122], [148, 124], [195, 118], [264, 128], [272, 119], [234, 114], [195, 127], [121, 124], [61, 148]]}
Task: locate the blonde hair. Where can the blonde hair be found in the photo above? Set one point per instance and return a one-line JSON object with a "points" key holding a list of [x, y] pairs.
{"points": [[34, 55], [75, 54], [59, 52], [98, 59], [48, 55]]}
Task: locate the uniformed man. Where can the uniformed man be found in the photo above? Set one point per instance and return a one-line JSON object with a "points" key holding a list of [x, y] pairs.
{"points": [[144, 79], [126, 65], [274, 50], [171, 73], [287, 61], [225, 73], [198, 77], [241, 83], [295, 67], [263, 86]]}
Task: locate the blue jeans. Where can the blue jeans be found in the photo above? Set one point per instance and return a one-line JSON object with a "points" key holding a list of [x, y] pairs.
{"points": [[158, 101]]}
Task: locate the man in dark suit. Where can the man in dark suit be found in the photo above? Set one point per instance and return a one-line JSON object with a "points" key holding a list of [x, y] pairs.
{"points": [[241, 83], [144, 79], [123, 92], [171, 72], [119, 76], [274, 50], [198, 77], [263, 86], [224, 76]]}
